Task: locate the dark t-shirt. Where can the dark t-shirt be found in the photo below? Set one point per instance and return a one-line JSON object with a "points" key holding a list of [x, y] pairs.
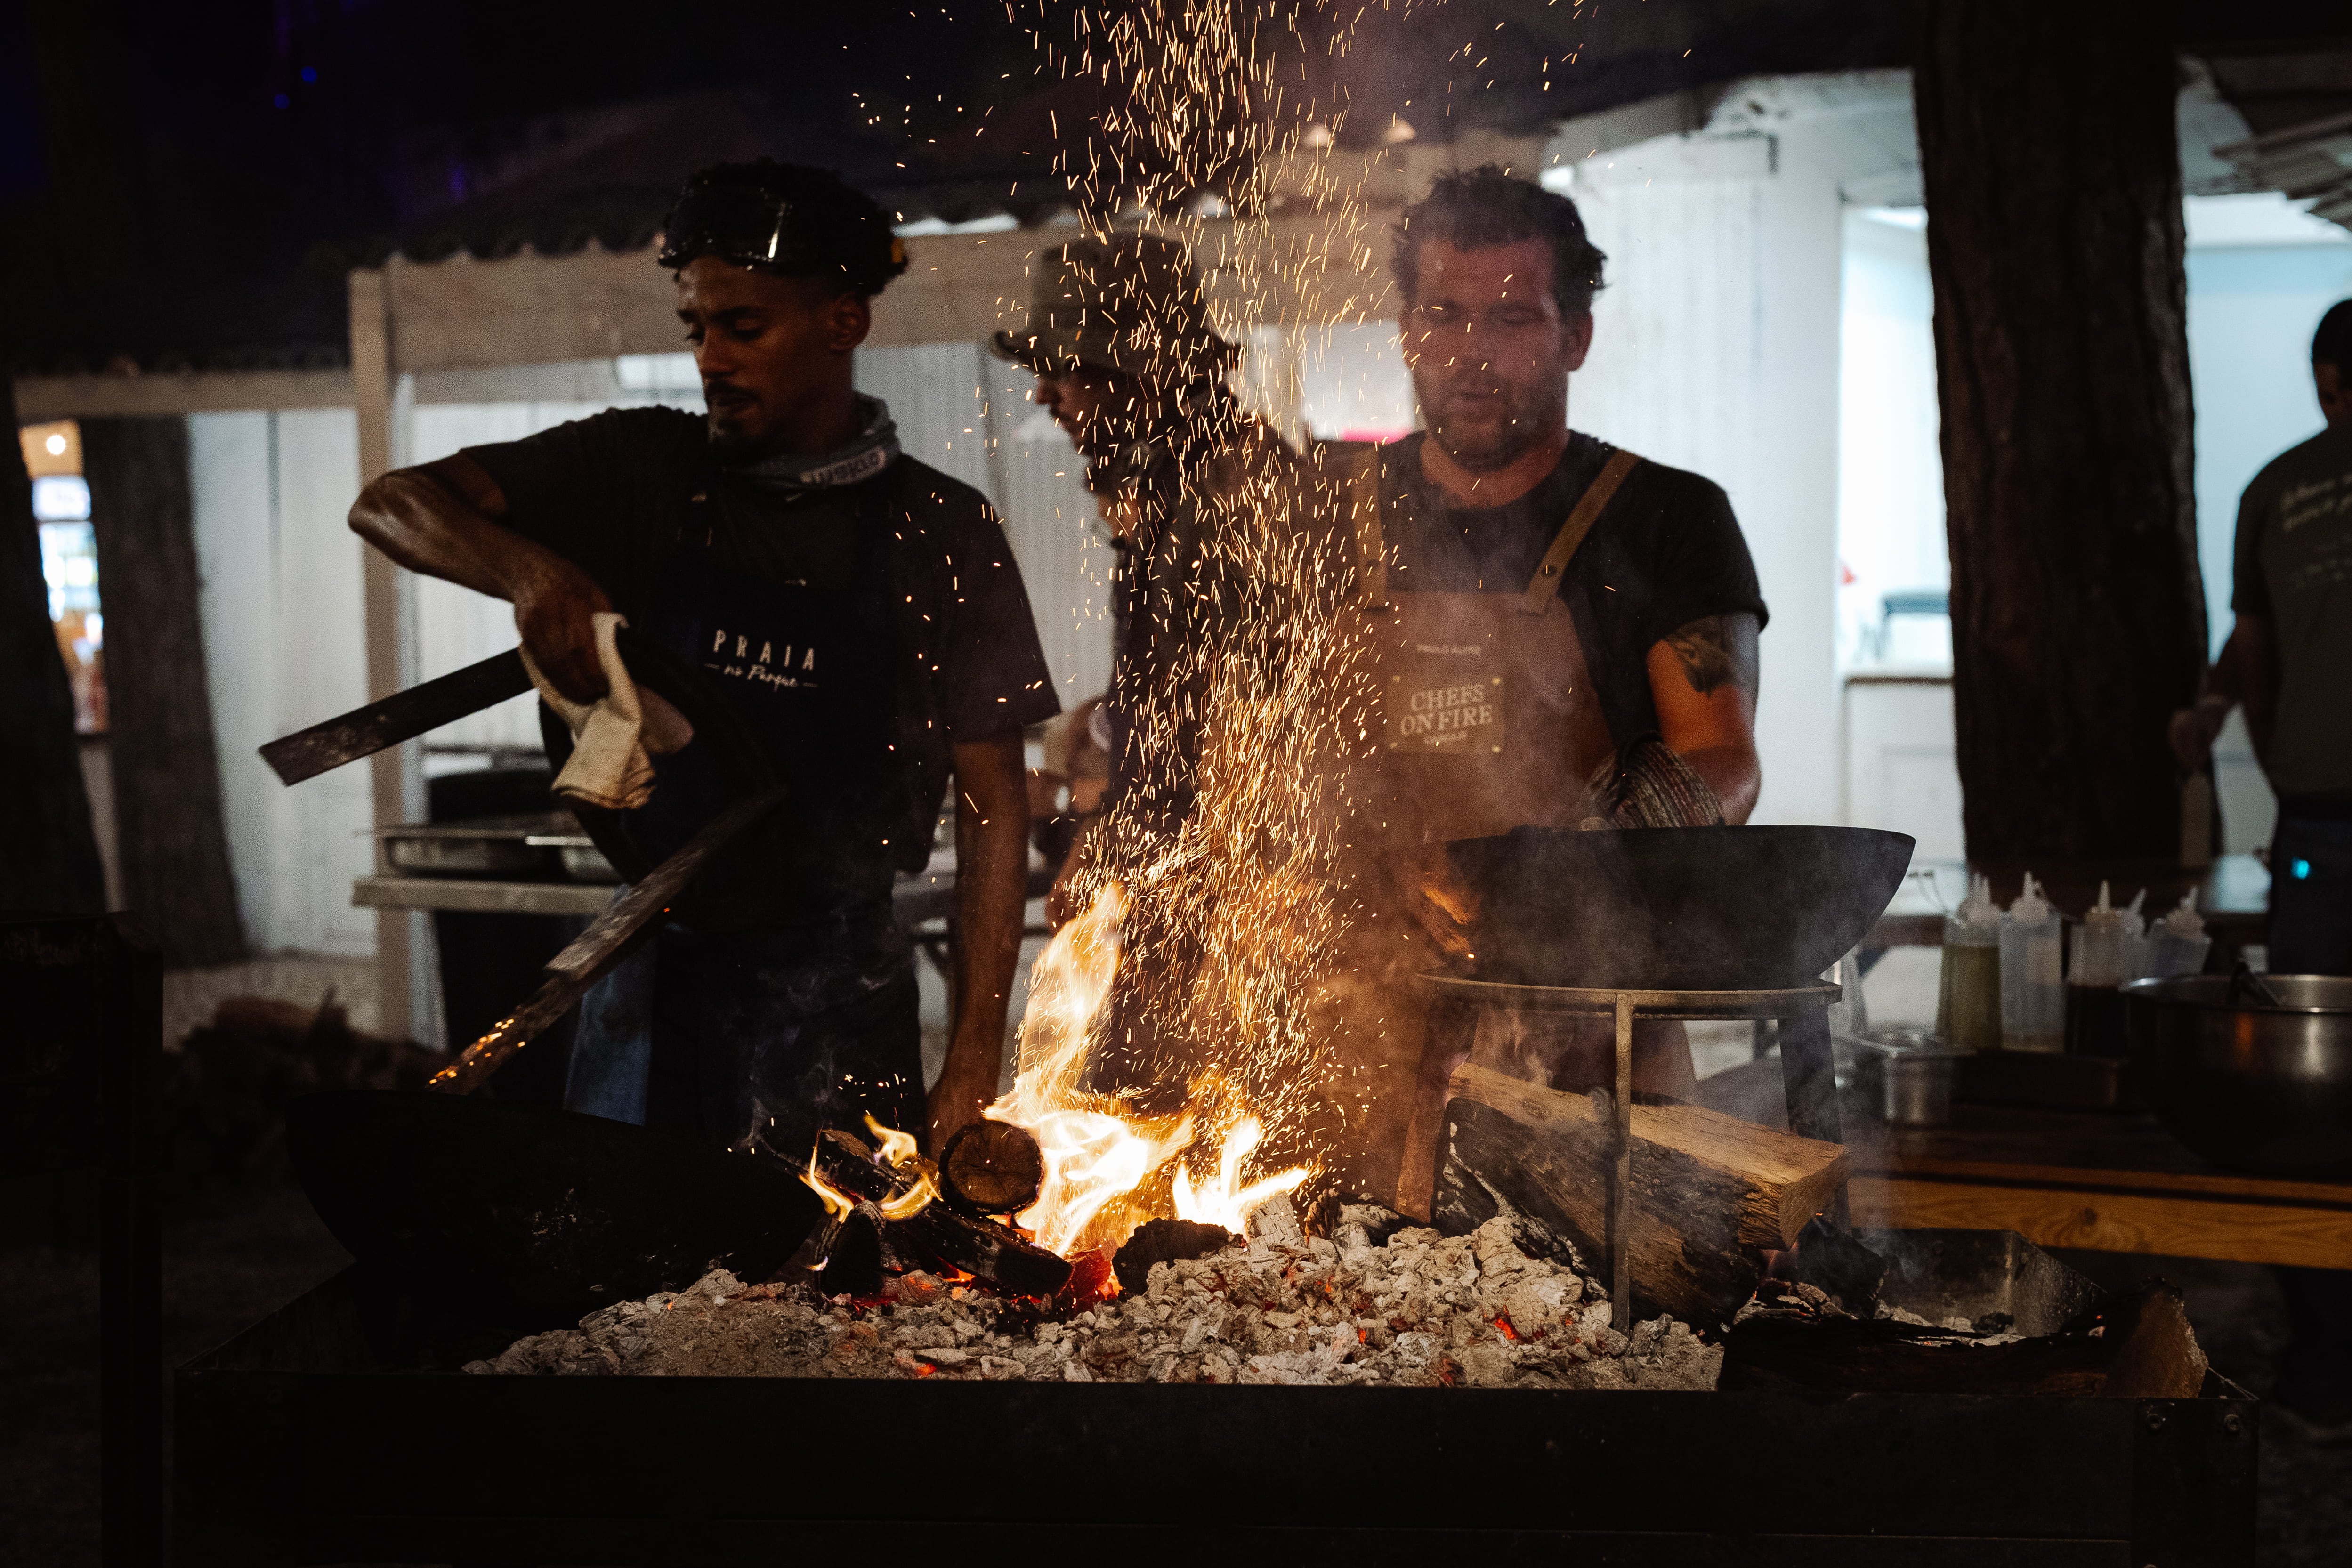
{"points": [[631, 497], [1667, 552], [2294, 565]]}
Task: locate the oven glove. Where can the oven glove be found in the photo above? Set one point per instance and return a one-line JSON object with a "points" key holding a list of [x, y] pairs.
{"points": [[615, 738], [1647, 786]]}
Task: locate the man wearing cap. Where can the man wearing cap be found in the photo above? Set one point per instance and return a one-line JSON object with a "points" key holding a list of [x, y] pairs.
{"points": [[1205, 506], [859, 613], [1128, 363]]}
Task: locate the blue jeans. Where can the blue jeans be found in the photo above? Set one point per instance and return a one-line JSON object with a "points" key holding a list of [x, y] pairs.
{"points": [[757, 1039], [2311, 933]]}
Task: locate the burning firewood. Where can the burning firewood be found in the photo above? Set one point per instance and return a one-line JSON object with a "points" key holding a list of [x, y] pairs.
{"points": [[934, 1232], [991, 1167], [1165, 1241], [1710, 1193]]}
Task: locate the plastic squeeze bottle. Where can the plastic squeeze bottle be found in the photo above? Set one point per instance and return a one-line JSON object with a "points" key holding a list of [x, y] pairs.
{"points": [[2106, 952], [2104, 947], [2032, 987], [1967, 1005], [2178, 944]]}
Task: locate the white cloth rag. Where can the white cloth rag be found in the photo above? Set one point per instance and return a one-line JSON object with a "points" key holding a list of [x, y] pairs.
{"points": [[615, 738]]}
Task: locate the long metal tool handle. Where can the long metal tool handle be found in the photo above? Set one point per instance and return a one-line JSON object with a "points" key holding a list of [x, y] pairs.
{"points": [[1620, 1201], [403, 716], [609, 939]]}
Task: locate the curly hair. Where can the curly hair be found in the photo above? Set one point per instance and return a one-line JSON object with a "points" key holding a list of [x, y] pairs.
{"points": [[784, 218], [1483, 207]]}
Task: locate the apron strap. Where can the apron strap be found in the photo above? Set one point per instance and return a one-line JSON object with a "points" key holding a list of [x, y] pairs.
{"points": [[1372, 548], [1543, 589]]}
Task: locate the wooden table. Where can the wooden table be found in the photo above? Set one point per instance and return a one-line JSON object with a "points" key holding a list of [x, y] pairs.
{"points": [[2233, 894], [2065, 1178]]}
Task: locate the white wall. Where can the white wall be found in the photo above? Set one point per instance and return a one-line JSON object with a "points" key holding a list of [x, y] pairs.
{"points": [[284, 648], [1716, 348], [1890, 466], [968, 413]]}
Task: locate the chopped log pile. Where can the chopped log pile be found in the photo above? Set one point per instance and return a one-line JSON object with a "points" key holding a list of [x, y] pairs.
{"points": [[1494, 1308], [1711, 1193]]}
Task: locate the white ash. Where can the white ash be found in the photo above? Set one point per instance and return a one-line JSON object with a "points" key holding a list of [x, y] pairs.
{"points": [[1421, 1310]]}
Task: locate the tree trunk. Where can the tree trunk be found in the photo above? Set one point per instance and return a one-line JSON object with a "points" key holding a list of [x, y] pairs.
{"points": [[48, 857], [2053, 178], [167, 793]]}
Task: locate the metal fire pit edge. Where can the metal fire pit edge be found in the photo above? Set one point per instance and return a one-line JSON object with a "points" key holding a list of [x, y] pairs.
{"points": [[296, 1446]]}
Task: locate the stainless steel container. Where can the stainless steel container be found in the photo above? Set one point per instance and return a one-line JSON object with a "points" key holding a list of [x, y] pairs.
{"points": [[1915, 1085], [2245, 1082]]}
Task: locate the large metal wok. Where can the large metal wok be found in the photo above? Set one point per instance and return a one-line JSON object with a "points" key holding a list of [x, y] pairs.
{"points": [[535, 1216], [1674, 909], [2254, 1082]]}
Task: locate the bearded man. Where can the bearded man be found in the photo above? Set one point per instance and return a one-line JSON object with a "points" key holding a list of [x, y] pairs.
{"points": [[1563, 633]]}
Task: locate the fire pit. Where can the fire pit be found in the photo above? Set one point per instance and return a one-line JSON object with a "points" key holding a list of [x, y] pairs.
{"points": [[322, 1435]]}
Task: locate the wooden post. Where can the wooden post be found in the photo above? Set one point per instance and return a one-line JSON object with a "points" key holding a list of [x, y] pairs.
{"points": [[371, 378], [2052, 168], [1621, 1198], [167, 782]]}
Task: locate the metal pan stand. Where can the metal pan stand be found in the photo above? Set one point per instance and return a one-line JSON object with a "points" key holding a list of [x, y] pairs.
{"points": [[1807, 1076]]}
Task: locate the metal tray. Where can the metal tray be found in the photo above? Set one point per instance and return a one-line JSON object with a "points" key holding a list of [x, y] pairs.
{"points": [[483, 846], [582, 861]]}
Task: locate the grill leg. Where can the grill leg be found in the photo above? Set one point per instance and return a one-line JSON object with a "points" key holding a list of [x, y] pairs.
{"points": [[1809, 1079], [1620, 1201]]}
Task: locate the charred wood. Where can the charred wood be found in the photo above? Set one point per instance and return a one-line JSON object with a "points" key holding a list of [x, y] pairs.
{"points": [[991, 1167], [1165, 1241], [937, 1232], [1836, 1263]]}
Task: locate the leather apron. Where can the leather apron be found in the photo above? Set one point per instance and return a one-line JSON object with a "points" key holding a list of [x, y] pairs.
{"points": [[1483, 719]]}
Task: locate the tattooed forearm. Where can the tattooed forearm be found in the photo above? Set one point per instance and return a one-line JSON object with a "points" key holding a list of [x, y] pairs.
{"points": [[1719, 650]]}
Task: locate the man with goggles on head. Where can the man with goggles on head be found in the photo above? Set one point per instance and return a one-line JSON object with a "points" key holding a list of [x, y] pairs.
{"points": [[860, 612]]}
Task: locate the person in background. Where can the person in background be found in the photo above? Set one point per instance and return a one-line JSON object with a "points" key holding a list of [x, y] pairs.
{"points": [[859, 613], [2288, 663]]}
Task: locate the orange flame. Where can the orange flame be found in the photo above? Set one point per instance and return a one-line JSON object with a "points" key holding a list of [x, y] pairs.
{"points": [[837, 1204], [914, 1200], [895, 1147], [1227, 1201], [1096, 1156]]}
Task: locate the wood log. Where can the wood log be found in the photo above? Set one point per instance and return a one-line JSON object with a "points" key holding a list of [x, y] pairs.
{"points": [[937, 1233], [171, 843], [1710, 1193], [993, 1167]]}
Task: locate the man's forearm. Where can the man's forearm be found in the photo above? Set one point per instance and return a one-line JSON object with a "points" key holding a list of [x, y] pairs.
{"points": [[428, 528], [1732, 773], [992, 858]]}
